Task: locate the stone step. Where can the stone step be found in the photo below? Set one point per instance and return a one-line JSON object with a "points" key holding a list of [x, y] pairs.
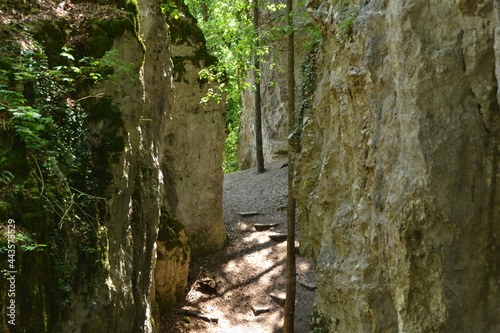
{"points": [[265, 226], [244, 214], [278, 238]]}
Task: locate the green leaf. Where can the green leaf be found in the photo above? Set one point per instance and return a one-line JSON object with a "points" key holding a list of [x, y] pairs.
{"points": [[68, 56]]}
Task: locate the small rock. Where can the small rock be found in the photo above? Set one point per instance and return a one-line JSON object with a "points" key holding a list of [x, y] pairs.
{"points": [[189, 312], [209, 318], [284, 165], [279, 238], [208, 285], [308, 286], [258, 311], [279, 299], [247, 213], [197, 314], [265, 226]]}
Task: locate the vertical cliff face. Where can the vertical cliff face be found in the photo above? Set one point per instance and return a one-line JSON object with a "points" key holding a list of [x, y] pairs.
{"points": [[274, 116], [194, 135], [152, 156], [173, 149], [397, 178]]}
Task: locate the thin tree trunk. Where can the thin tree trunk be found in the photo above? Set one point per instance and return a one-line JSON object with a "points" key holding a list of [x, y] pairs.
{"points": [[204, 10], [258, 110], [289, 310]]}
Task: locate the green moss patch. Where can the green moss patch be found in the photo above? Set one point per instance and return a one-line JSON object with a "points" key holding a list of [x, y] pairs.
{"points": [[107, 139], [183, 29], [201, 59], [52, 35], [319, 323], [103, 33], [169, 230]]}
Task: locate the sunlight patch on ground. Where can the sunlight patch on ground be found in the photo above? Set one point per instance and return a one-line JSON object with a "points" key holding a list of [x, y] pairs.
{"points": [[255, 324], [241, 226], [304, 265], [255, 238]]}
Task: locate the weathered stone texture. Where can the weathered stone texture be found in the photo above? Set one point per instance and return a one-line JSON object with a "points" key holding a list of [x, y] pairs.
{"points": [[274, 116], [194, 134], [171, 166], [397, 178]]}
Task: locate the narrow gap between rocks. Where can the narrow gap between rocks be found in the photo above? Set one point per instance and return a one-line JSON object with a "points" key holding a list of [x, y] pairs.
{"points": [[240, 288]]}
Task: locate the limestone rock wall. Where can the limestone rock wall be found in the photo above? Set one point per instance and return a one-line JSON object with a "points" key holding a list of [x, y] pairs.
{"points": [[194, 134], [155, 156], [274, 116], [397, 178], [173, 151]]}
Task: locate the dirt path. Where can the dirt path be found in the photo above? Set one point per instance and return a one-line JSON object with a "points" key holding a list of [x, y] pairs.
{"points": [[250, 268]]}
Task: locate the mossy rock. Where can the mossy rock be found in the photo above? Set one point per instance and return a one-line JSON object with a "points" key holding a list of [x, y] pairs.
{"points": [[52, 36], [104, 32], [169, 230], [201, 59], [17, 161], [104, 109], [5, 211], [99, 45], [35, 221], [36, 309], [184, 29], [319, 323], [6, 65], [108, 142], [130, 6]]}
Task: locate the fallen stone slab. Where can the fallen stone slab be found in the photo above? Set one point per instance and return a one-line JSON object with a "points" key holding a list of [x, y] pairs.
{"points": [[198, 314], [209, 318], [279, 299], [308, 286], [265, 226], [243, 214], [189, 312], [257, 311], [278, 238]]}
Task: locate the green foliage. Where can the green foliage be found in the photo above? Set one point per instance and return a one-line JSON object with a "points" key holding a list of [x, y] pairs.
{"points": [[320, 323], [49, 161], [309, 28], [90, 70], [308, 71], [346, 26], [341, 3], [170, 8], [230, 158], [24, 241], [349, 14], [230, 36], [228, 32]]}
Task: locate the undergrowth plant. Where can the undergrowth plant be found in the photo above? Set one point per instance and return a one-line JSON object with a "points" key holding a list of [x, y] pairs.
{"points": [[48, 178], [346, 26]]}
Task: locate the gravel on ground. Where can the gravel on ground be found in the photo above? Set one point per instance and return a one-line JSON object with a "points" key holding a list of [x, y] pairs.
{"points": [[249, 274]]}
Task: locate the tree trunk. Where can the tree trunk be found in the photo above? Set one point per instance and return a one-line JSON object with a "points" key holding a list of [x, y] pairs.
{"points": [[204, 10], [289, 310], [258, 110]]}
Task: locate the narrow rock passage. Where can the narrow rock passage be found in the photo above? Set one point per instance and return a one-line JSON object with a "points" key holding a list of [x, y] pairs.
{"points": [[238, 289]]}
